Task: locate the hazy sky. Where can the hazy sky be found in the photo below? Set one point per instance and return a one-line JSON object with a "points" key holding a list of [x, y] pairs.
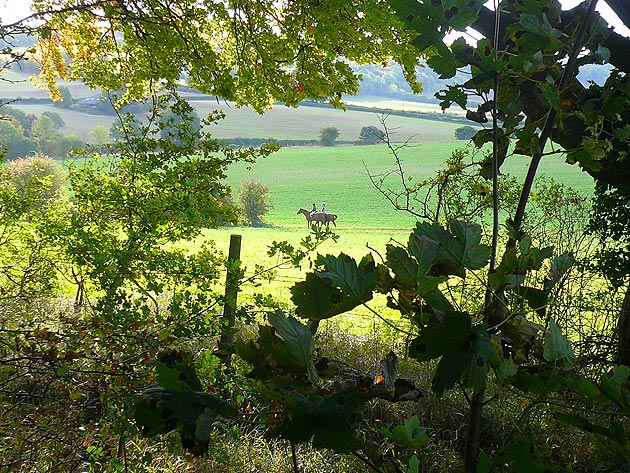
{"points": [[12, 10]]}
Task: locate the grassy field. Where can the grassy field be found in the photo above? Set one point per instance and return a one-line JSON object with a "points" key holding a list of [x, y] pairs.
{"points": [[297, 177], [78, 123], [282, 123], [16, 84], [305, 122], [393, 104]]}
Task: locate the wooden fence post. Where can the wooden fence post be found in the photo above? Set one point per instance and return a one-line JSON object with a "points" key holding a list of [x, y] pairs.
{"points": [[231, 293]]}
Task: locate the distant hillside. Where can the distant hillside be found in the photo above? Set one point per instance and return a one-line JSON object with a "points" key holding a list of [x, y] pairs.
{"points": [[377, 80]]}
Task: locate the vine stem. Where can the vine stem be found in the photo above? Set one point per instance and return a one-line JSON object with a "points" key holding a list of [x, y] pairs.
{"points": [[569, 73], [477, 399], [296, 469]]}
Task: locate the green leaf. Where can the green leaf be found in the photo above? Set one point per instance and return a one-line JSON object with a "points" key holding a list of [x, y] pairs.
{"points": [[484, 463], [610, 384], [424, 250], [452, 95], [315, 299], [481, 352], [536, 298], [328, 421], [407, 435], [615, 432], [466, 351], [585, 388], [299, 341], [414, 464], [443, 63], [585, 158], [557, 348], [338, 287], [159, 411], [539, 25], [449, 371], [356, 280], [551, 94], [459, 248], [440, 338], [559, 267], [468, 235], [507, 369], [405, 268], [175, 373], [524, 455], [535, 381]]}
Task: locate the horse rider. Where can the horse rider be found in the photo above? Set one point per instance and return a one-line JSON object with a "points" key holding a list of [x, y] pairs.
{"points": [[313, 210], [323, 207]]}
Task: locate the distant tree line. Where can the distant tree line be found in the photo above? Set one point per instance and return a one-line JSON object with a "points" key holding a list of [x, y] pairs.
{"points": [[23, 134]]}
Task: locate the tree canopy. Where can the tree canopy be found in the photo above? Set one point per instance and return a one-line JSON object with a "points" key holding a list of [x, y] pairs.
{"points": [[249, 52]]}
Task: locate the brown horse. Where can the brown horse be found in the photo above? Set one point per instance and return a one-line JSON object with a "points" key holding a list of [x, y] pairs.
{"points": [[307, 214], [323, 218], [320, 218]]}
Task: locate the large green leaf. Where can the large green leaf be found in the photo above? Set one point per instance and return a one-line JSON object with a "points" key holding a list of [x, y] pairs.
{"points": [[557, 348], [424, 250], [407, 435], [356, 281], [539, 25], [191, 413], [449, 371], [559, 266], [525, 455], [328, 421], [441, 337], [465, 351], [174, 372], [443, 62], [338, 287], [536, 298], [481, 354], [411, 269], [459, 247], [272, 356], [404, 267], [299, 341], [611, 385], [315, 299], [539, 380]]}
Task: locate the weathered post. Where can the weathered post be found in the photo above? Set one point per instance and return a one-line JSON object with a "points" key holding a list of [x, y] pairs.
{"points": [[231, 292]]}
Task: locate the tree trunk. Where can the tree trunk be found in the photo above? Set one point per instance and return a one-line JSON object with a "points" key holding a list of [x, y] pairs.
{"points": [[623, 329]]}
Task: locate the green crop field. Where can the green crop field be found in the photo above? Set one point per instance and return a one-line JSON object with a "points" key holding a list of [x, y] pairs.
{"points": [[297, 177], [16, 84], [305, 122]]}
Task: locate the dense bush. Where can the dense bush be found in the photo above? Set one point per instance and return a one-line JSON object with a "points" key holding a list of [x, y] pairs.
{"points": [[465, 132], [38, 177], [371, 135], [328, 135], [13, 142], [254, 199]]}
